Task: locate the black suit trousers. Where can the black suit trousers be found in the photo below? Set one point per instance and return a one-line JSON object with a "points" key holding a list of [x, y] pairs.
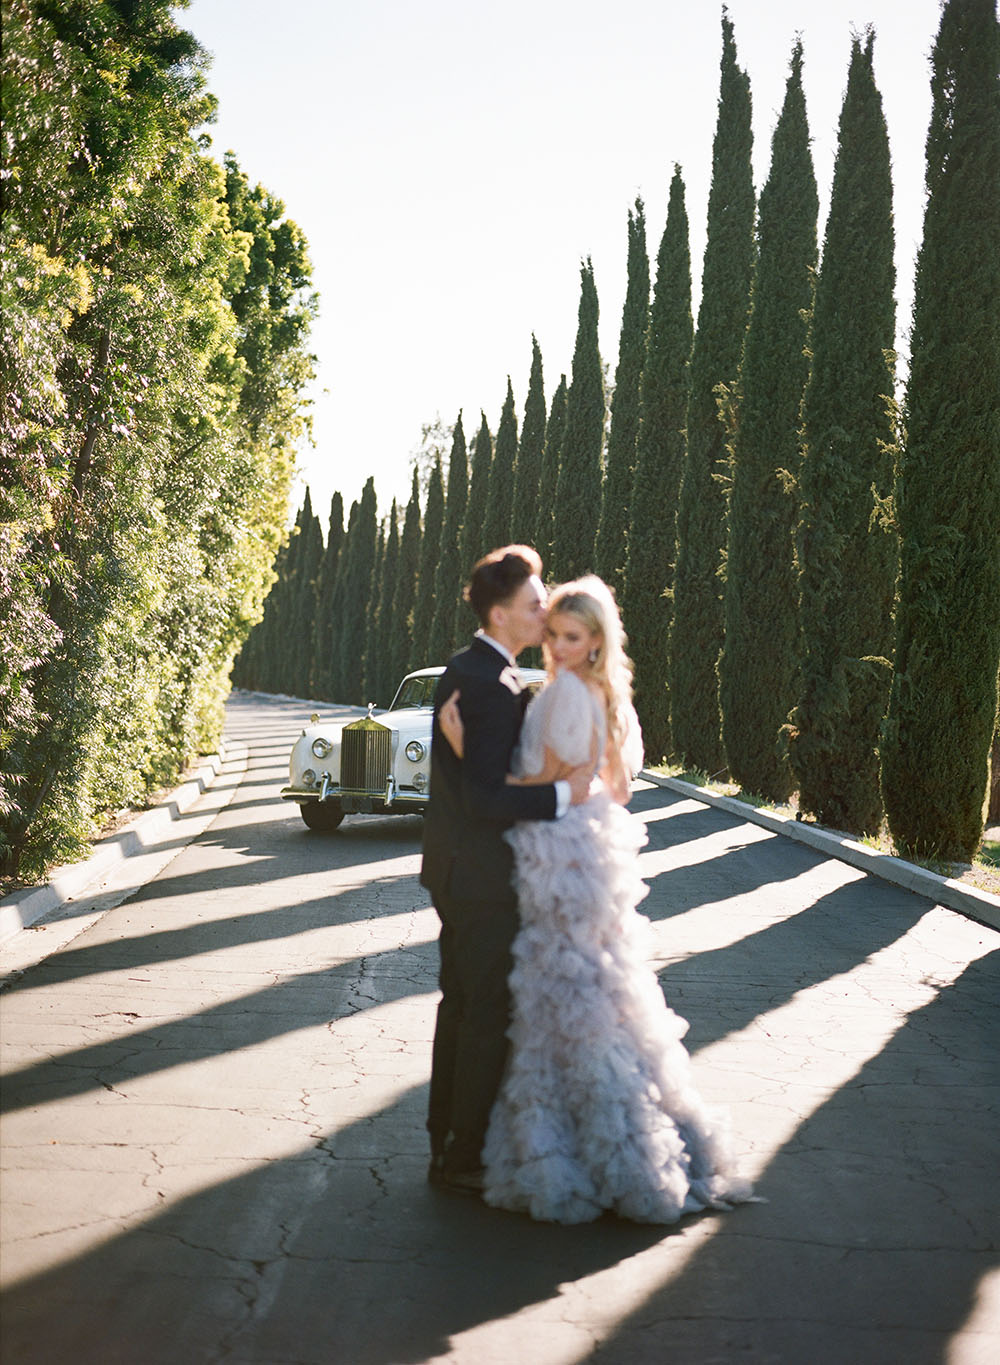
{"points": [[470, 1040]]}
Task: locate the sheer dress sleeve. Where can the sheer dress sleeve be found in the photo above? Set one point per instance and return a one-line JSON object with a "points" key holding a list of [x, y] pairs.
{"points": [[562, 718]]}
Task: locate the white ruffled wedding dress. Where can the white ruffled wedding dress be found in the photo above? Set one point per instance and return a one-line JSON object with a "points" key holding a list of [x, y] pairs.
{"points": [[598, 1109]]}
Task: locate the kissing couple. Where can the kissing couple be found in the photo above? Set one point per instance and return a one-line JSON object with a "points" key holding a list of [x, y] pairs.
{"points": [[559, 1083]]}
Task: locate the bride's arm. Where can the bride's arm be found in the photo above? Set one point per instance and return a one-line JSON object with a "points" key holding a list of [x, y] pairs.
{"points": [[553, 769], [615, 775], [616, 780]]}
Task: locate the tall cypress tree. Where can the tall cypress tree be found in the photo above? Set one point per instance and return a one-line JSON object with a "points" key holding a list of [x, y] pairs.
{"points": [[847, 554], [430, 551], [758, 668], [473, 545], [944, 693], [251, 667], [370, 678], [338, 610], [302, 615], [323, 626], [406, 584], [255, 665], [357, 597], [245, 665], [500, 497], [448, 577], [275, 670], [696, 637], [619, 475], [578, 488], [385, 657], [555, 431], [528, 474], [648, 587]]}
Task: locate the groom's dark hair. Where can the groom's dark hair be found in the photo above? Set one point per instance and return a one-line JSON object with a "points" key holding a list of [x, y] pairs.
{"points": [[498, 576]]}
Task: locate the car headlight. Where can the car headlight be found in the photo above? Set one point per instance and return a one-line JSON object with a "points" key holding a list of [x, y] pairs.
{"points": [[415, 751], [309, 778], [321, 747]]}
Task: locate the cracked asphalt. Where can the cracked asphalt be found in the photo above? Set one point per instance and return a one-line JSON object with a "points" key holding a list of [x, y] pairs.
{"points": [[214, 1091]]}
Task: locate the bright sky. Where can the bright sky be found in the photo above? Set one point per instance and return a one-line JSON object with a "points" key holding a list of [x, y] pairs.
{"points": [[452, 161]]}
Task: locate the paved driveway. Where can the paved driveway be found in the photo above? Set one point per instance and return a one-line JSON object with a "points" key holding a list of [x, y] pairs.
{"points": [[213, 1145]]}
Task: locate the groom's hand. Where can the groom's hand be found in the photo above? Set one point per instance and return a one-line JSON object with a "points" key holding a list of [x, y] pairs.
{"points": [[579, 780]]}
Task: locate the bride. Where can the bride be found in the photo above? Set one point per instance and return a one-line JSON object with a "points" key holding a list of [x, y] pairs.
{"points": [[598, 1109]]}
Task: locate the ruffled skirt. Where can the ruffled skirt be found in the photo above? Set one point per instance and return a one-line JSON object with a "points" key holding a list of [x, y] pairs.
{"points": [[598, 1109]]}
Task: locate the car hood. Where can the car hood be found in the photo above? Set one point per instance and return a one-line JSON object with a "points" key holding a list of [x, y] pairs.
{"points": [[408, 722]]}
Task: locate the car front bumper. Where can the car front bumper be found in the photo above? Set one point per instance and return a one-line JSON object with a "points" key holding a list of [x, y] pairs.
{"points": [[360, 802]]}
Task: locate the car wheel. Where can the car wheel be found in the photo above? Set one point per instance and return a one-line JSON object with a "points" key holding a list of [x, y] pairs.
{"points": [[322, 816]]}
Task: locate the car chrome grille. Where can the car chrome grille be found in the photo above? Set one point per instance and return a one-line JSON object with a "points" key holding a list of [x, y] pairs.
{"points": [[365, 756]]}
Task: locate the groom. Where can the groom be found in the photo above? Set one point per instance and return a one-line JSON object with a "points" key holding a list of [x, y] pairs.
{"points": [[467, 864]]}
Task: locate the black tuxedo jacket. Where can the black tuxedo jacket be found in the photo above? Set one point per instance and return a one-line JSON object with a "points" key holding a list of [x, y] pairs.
{"points": [[465, 855]]}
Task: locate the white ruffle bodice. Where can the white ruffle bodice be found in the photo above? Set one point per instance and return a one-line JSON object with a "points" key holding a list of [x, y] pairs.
{"points": [[598, 1109]]}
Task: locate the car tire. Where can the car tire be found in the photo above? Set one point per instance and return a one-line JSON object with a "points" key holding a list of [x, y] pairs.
{"points": [[321, 816]]}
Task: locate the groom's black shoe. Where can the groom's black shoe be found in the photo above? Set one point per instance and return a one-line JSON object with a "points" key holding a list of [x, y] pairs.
{"points": [[464, 1182]]}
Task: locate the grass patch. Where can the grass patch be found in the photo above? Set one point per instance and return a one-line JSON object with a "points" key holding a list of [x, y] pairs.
{"points": [[723, 787], [983, 872]]}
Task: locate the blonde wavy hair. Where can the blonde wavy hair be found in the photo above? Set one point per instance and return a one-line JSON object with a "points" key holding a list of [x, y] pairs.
{"points": [[593, 603]]}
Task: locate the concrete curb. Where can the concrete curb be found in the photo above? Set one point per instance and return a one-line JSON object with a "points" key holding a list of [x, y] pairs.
{"points": [[967, 900], [24, 908]]}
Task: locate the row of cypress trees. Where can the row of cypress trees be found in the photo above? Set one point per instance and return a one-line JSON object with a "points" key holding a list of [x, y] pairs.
{"points": [[805, 573]]}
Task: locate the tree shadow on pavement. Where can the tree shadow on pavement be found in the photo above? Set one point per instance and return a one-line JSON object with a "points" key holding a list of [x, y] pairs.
{"points": [[730, 873], [722, 990], [736, 869], [881, 1219], [300, 1001], [211, 934], [870, 1249], [316, 1260]]}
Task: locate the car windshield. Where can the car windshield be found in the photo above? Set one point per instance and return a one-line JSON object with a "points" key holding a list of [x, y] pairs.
{"points": [[415, 693]]}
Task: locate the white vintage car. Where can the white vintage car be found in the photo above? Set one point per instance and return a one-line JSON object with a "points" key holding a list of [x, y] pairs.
{"points": [[379, 764]]}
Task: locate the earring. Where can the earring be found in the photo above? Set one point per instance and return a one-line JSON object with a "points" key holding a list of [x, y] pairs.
{"points": [[592, 656]]}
